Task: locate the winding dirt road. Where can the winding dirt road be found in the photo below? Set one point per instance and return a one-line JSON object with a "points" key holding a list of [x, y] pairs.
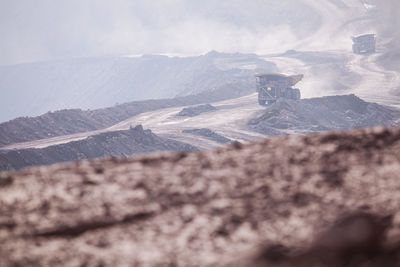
{"points": [[377, 84], [228, 120], [371, 82]]}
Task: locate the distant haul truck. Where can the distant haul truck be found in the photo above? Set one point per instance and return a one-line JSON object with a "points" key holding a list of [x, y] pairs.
{"points": [[364, 44], [272, 86]]}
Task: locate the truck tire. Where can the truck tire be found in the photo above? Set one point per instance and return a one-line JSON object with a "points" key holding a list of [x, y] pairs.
{"points": [[296, 94], [355, 49]]}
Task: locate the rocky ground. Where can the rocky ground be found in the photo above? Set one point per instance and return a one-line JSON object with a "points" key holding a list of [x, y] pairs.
{"points": [[116, 144], [244, 205]]}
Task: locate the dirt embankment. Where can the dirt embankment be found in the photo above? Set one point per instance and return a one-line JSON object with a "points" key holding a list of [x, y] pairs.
{"points": [[110, 144], [210, 208], [327, 113]]}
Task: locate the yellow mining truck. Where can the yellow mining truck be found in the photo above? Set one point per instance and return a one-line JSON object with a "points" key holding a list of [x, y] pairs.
{"points": [[364, 44], [271, 86]]}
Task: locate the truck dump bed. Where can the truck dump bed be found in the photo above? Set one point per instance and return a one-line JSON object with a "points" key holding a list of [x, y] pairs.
{"points": [[364, 44], [271, 86]]}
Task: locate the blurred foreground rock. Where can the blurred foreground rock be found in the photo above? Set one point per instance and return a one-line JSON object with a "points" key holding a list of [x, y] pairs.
{"points": [[262, 204], [355, 240]]}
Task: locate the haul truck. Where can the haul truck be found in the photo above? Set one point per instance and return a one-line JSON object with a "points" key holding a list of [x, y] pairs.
{"points": [[272, 86], [364, 44]]}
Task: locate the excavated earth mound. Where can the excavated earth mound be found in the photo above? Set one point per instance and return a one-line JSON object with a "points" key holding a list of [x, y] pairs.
{"points": [[124, 143], [196, 110], [212, 208], [322, 114]]}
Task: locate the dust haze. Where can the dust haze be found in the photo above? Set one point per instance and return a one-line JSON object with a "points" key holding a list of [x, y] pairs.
{"points": [[388, 20], [47, 30]]}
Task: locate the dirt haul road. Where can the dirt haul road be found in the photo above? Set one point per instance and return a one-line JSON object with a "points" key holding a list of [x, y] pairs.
{"points": [[371, 81], [376, 85], [228, 120]]}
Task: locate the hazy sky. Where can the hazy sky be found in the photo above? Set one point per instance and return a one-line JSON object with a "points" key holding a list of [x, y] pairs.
{"points": [[35, 30]]}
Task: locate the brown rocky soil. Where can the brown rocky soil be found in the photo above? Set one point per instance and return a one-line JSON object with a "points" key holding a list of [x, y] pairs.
{"points": [[214, 207]]}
